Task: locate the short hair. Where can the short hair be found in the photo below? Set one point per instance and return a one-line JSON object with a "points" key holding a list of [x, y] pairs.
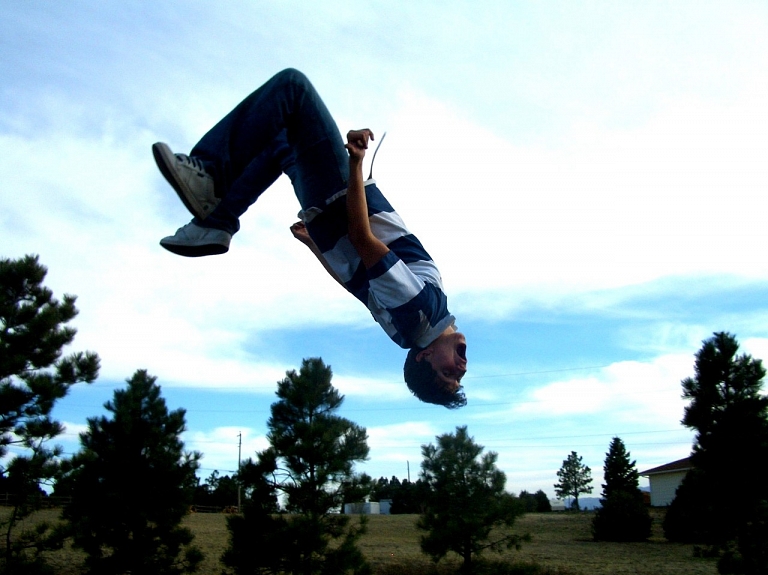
{"points": [[422, 381]]}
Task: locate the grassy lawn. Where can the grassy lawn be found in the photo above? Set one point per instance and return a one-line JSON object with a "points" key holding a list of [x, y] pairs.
{"points": [[565, 540], [559, 541]]}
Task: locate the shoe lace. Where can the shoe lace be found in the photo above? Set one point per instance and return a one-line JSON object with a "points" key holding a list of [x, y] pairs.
{"points": [[191, 161]]}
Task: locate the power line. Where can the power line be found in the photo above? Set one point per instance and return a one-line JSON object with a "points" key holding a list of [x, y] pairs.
{"points": [[467, 377], [526, 438], [645, 392], [514, 374]]}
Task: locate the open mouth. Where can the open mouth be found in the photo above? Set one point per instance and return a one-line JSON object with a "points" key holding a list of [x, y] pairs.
{"points": [[461, 349]]}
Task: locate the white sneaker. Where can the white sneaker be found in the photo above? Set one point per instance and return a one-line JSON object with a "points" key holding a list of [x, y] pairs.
{"points": [[188, 177], [194, 241]]}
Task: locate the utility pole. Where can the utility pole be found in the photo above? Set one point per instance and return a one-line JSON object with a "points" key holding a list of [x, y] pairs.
{"points": [[239, 479], [408, 467]]}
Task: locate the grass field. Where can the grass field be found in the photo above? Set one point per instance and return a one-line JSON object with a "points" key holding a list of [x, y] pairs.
{"points": [[562, 542]]}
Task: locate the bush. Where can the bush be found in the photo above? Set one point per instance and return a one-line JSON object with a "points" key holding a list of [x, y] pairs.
{"points": [[623, 517], [688, 513], [748, 555]]}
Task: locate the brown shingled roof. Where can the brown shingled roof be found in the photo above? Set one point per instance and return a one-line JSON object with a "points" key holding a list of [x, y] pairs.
{"points": [[679, 465]]}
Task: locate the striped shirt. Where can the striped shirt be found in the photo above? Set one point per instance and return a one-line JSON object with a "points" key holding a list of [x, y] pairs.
{"points": [[404, 290]]}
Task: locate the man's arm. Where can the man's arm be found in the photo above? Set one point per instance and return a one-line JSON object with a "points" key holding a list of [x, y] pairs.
{"points": [[370, 248], [299, 231]]}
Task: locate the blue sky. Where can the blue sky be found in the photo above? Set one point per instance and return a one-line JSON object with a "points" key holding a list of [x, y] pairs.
{"points": [[590, 177]]}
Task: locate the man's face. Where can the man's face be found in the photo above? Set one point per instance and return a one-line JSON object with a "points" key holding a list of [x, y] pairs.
{"points": [[448, 357]]}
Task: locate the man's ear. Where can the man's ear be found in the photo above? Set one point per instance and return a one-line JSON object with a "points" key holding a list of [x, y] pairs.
{"points": [[425, 353]]}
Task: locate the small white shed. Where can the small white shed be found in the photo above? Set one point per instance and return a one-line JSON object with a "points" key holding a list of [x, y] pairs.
{"points": [[665, 480], [362, 508], [557, 504]]}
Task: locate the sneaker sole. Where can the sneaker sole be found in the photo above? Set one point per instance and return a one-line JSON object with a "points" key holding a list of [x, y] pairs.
{"points": [[196, 251], [164, 159]]}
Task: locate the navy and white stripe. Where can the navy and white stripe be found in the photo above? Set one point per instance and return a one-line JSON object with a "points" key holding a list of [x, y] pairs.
{"points": [[403, 291]]}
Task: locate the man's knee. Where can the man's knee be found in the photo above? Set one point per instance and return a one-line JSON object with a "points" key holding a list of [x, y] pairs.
{"points": [[292, 76]]}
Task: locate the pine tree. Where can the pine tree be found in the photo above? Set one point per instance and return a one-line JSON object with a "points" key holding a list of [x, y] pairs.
{"points": [[730, 415], [383, 489], [535, 502], [466, 500], [575, 479], [309, 464], [623, 515], [619, 472], [357, 488], [542, 502], [33, 377], [131, 484]]}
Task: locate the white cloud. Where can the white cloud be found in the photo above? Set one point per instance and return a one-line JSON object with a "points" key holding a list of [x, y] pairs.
{"points": [[396, 449], [606, 208], [370, 387], [73, 430], [631, 392], [757, 347], [391, 436]]}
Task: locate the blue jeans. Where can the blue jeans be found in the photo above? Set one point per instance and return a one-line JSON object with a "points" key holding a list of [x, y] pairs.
{"points": [[282, 127]]}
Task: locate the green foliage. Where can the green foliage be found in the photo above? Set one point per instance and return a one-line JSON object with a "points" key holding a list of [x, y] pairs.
{"points": [[688, 514], [356, 488], [623, 515], [575, 479], [619, 472], [730, 416], [411, 497], [466, 500], [309, 464], [535, 502], [383, 488], [217, 491], [748, 553], [33, 377], [407, 496], [132, 484]]}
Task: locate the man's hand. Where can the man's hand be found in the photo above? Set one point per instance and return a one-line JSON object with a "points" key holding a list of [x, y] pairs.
{"points": [[299, 231], [370, 248], [357, 143]]}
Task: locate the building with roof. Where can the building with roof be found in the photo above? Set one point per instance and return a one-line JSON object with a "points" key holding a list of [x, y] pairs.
{"points": [[665, 480]]}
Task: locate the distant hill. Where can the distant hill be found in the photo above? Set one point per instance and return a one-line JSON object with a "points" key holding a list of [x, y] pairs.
{"points": [[594, 502], [589, 502], [585, 503]]}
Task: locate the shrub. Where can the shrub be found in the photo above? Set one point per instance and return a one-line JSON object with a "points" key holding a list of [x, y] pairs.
{"points": [[623, 517]]}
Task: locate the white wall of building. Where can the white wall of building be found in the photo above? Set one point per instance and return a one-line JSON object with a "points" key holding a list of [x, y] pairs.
{"points": [[663, 487]]}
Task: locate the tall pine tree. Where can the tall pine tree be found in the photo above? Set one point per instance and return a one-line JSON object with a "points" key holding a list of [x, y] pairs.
{"points": [[721, 496], [131, 485], [33, 377], [619, 472], [308, 464], [623, 515], [574, 477]]}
